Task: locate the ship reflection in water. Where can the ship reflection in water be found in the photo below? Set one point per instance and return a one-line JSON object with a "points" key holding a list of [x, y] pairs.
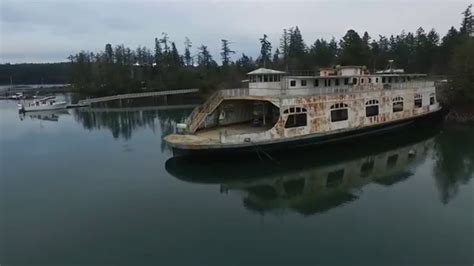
{"points": [[310, 182], [52, 115]]}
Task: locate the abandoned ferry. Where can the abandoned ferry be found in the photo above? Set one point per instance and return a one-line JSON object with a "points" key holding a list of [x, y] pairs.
{"points": [[279, 109]]}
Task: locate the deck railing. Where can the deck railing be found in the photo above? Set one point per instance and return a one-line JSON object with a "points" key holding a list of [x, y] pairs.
{"points": [[321, 90]]}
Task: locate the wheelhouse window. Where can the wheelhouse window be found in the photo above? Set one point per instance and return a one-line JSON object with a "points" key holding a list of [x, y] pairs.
{"points": [[418, 101], [316, 83], [337, 82], [371, 108], [292, 83], [346, 81], [397, 104], [432, 99], [339, 112], [327, 82], [354, 81], [303, 82], [297, 117]]}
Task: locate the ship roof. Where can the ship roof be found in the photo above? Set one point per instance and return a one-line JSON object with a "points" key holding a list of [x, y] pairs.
{"points": [[262, 70]]}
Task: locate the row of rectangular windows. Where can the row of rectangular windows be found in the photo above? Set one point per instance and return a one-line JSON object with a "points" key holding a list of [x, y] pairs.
{"points": [[340, 111], [265, 78], [355, 81]]}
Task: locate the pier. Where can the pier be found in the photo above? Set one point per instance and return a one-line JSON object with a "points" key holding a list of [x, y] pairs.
{"points": [[135, 95]]}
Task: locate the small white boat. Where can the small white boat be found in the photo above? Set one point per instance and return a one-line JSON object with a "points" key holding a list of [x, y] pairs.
{"points": [[16, 96], [47, 103]]}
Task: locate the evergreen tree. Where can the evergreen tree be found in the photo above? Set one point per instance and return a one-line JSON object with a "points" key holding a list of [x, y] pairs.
{"points": [[296, 48], [352, 49], [462, 73], [276, 57], [109, 54], [158, 53], [176, 58], [265, 50], [245, 63], [322, 53], [165, 41], [285, 45], [205, 58], [226, 52], [187, 54], [467, 25]]}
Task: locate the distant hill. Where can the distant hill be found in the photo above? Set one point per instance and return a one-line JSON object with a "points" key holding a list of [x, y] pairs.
{"points": [[48, 73]]}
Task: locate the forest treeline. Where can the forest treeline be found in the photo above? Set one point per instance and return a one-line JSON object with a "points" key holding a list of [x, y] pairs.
{"points": [[50, 73], [120, 69]]}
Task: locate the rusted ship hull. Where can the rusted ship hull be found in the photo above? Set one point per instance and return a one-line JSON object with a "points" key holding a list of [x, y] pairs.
{"points": [[429, 119]]}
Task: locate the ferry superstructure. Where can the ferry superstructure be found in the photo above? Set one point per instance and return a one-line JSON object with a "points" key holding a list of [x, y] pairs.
{"points": [[280, 109]]}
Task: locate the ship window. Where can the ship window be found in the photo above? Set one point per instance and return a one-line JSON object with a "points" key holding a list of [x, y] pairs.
{"points": [[337, 82], [432, 99], [418, 101], [316, 82], [292, 83], [371, 108], [354, 81], [327, 82], [270, 78], [303, 82], [370, 80], [376, 80], [383, 80], [296, 120], [259, 78], [293, 110], [362, 81], [346, 81], [397, 104], [339, 112], [265, 78], [389, 79]]}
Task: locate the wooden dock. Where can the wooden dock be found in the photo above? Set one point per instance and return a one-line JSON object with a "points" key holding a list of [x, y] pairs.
{"points": [[134, 95], [137, 109]]}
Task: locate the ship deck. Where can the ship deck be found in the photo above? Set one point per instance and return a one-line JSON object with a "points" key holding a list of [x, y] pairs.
{"points": [[212, 135]]}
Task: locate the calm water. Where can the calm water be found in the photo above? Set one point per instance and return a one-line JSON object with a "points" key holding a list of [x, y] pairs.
{"points": [[100, 187]]}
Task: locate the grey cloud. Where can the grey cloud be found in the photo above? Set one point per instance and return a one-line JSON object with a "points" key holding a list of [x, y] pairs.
{"points": [[36, 30]]}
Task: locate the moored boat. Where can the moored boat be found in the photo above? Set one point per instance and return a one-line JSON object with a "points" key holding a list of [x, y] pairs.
{"points": [[44, 104], [281, 110]]}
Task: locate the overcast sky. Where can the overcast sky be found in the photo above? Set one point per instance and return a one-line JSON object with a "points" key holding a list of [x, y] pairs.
{"points": [[50, 30]]}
